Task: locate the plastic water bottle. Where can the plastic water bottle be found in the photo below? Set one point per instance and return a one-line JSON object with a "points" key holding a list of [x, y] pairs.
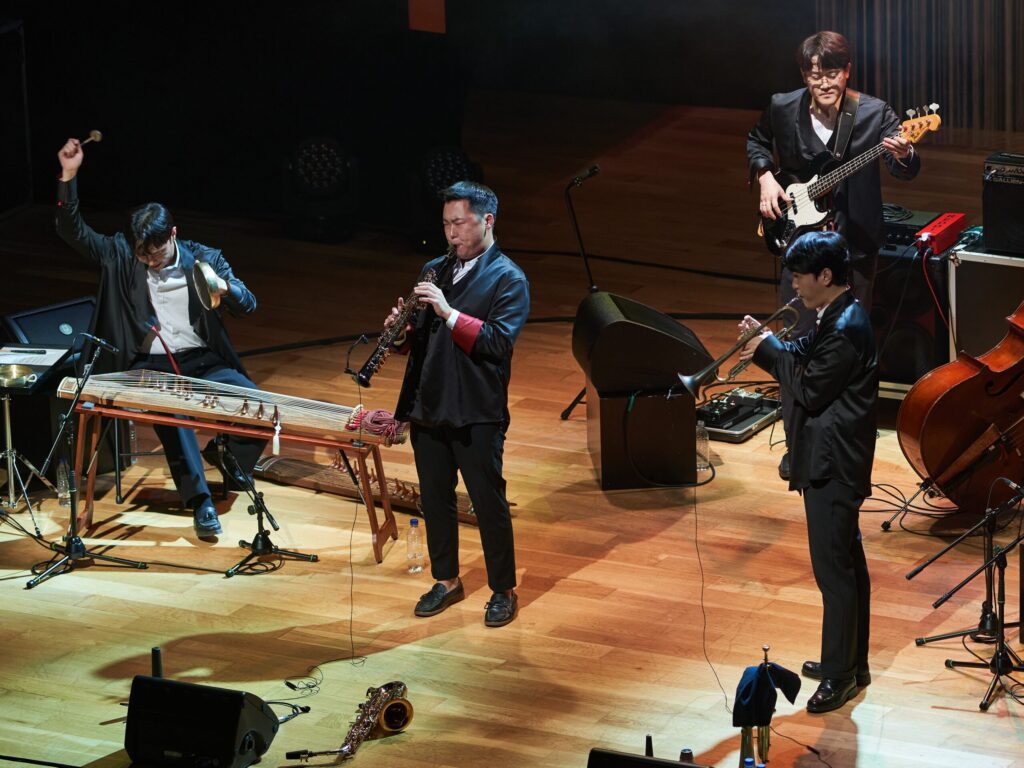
{"points": [[63, 483], [414, 547], [703, 452]]}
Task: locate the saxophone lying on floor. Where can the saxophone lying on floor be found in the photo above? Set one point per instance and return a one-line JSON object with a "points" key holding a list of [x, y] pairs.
{"points": [[385, 711]]}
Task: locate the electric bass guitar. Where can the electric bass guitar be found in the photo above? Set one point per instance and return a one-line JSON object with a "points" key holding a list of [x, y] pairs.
{"points": [[810, 203]]}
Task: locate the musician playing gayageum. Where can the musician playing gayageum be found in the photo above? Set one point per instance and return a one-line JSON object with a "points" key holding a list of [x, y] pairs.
{"points": [[800, 125], [831, 374], [455, 394], [149, 310]]}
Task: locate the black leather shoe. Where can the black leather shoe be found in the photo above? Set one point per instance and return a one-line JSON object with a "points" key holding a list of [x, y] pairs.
{"points": [[437, 599], [784, 466], [501, 609], [205, 520], [832, 694], [233, 481], [812, 669]]}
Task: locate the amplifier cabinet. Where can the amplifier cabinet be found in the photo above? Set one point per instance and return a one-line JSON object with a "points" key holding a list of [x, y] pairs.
{"points": [[1002, 200], [984, 289]]}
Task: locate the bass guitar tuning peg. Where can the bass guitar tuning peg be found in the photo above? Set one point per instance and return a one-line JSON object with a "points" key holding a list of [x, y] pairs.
{"points": [[911, 113], [933, 107]]}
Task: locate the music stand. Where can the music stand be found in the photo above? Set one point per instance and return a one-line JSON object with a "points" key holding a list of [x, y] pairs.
{"points": [[261, 544], [74, 548]]}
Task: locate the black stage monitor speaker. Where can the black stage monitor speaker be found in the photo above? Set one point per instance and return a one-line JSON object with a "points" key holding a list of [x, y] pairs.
{"points": [[1002, 200], [56, 325], [985, 288], [632, 355], [183, 725], [910, 334], [607, 758]]}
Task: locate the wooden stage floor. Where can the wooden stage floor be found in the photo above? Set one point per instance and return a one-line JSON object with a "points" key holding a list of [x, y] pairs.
{"points": [[639, 609]]}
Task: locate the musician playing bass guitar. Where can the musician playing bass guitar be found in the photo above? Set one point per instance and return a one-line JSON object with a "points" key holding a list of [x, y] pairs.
{"points": [[795, 130]]}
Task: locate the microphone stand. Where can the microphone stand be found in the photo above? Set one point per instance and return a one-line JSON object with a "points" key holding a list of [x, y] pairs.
{"points": [[73, 548], [261, 544], [989, 624], [576, 181], [1004, 660]]}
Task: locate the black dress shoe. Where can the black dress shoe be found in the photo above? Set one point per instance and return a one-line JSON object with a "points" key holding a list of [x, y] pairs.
{"points": [[832, 694], [784, 466], [438, 598], [501, 609], [233, 480], [812, 669], [205, 520]]}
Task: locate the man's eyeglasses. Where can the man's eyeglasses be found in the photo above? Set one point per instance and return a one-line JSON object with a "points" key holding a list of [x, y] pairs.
{"points": [[817, 75]]}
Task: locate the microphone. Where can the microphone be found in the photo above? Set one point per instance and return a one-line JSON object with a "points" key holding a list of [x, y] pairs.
{"points": [[591, 171], [100, 342], [1013, 486]]}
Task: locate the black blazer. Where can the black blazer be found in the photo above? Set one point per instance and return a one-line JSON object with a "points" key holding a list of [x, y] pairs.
{"points": [[832, 376], [785, 129], [443, 385], [124, 312]]}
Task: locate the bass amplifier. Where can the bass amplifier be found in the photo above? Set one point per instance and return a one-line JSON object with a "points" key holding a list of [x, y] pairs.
{"points": [[1002, 200]]}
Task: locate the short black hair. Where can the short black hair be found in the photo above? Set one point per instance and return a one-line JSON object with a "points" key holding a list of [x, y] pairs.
{"points": [[814, 251], [150, 226], [831, 48], [481, 199]]}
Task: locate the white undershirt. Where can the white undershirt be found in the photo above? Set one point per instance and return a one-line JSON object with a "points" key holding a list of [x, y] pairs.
{"points": [[823, 131], [168, 293]]}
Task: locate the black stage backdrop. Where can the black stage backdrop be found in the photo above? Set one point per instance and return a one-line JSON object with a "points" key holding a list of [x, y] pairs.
{"points": [[201, 103]]}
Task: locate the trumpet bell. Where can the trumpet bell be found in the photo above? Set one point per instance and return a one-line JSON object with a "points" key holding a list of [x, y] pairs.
{"points": [[205, 281]]}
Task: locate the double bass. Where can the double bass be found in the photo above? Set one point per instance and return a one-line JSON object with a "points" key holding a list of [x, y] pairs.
{"points": [[961, 426]]}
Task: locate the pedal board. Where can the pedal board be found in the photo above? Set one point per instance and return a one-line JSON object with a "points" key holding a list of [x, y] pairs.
{"points": [[737, 415]]}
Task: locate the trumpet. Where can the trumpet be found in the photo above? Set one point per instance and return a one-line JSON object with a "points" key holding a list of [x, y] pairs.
{"points": [[696, 382]]}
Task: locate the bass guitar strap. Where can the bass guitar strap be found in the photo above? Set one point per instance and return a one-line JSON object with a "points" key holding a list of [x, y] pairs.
{"points": [[844, 127]]}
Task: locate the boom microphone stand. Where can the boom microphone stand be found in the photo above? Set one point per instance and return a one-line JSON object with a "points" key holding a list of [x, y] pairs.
{"points": [[575, 182], [989, 623], [1004, 660], [73, 548]]}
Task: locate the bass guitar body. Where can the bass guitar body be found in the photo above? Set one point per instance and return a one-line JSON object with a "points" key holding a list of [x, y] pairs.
{"points": [[961, 426], [803, 212]]}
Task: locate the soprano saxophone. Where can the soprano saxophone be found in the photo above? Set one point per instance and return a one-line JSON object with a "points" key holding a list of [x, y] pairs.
{"points": [[386, 711], [394, 331]]}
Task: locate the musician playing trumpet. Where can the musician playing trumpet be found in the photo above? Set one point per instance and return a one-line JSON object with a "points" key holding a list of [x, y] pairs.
{"points": [[831, 374], [455, 394], [149, 310]]}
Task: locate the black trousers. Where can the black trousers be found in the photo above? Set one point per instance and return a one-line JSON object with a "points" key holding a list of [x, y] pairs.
{"points": [[863, 278], [841, 571], [476, 451], [181, 447]]}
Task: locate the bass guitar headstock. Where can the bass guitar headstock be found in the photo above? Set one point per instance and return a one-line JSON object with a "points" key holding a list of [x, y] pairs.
{"points": [[921, 122]]}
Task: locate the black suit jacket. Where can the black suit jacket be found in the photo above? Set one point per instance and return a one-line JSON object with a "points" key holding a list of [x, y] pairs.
{"points": [[832, 376], [785, 130], [124, 312], [445, 386]]}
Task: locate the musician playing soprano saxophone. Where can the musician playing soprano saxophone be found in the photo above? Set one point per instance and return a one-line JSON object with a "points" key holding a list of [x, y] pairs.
{"points": [[800, 125], [149, 310], [831, 374], [455, 394]]}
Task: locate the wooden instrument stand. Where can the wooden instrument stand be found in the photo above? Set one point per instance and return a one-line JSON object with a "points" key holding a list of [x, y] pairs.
{"points": [[90, 417]]}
